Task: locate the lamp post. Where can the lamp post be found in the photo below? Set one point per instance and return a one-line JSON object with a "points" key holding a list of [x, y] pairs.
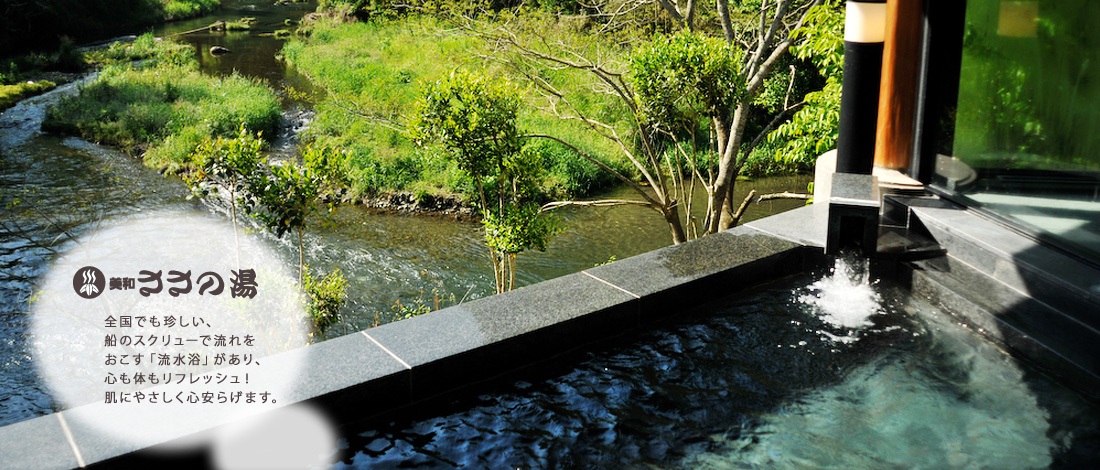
{"points": [[853, 198], [864, 33]]}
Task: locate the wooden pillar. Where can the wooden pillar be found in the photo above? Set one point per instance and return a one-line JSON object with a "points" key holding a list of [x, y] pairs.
{"points": [[898, 90]]}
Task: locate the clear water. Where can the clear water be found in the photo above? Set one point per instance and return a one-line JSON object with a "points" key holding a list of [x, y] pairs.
{"points": [[763, 382]]}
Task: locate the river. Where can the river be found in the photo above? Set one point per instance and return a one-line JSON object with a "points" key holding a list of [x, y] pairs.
{"points": [[55, 188]]}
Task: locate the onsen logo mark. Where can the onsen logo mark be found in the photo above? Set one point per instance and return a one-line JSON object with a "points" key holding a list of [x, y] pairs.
{"points": [[88, 282]]}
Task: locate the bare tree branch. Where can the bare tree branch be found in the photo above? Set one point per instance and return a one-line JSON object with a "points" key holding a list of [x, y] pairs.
{"points": [[744, 205], [634, 185], [599, 203], [781, 116], [784, 195]]}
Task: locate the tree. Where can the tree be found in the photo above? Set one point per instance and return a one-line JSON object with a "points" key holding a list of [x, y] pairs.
{"points": [[813, 129], [473, 118], [327, 295], [282, 197], [673, 85], [286, 198], [227, 164]]}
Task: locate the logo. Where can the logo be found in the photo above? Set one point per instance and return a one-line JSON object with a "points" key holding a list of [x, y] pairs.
{"points": [[88, 282]]}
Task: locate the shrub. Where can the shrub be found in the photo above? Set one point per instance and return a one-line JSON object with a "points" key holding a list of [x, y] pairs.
{"points": [[326, 295]]}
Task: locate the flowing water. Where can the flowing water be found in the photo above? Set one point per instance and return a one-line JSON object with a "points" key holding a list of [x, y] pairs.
{"points": [[252, 53], [53, 189], [762, 381]]}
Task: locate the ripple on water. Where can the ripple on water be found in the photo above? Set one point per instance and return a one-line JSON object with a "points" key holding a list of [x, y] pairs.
{"points": [[726, 389]]}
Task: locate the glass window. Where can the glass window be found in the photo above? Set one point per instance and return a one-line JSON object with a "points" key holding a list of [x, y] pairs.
{"points": [[1027, 126]]}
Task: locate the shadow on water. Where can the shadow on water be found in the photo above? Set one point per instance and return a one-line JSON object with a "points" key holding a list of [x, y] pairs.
{"points": [[1044, 373], [252, 52], [761, 381]]}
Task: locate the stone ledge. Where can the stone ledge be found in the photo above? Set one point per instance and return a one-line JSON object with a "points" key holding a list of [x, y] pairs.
{"points": [[377, 370]]}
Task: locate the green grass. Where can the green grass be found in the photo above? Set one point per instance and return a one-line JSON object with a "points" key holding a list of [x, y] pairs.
{"points": [[180, 9], [11, 94], [373, 73], [164, 108], [146, 48], [243, 24]]}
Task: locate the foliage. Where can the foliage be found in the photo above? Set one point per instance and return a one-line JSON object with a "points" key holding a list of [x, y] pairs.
{"points": [[287, 197], [181, 9], [166, 109], [326, 295], [610, 260], [518, 228], [685, 76], [331, 166], [812, 131], [796, 144], [32, 66], [372, 75], [1028, 103], [421, 305], [226, 163], [473, 118], [146, 48], [243, 24]]}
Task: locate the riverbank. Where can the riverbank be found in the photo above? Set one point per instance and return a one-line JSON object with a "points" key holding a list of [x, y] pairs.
{"points": [[38, 40], [161, 107], [371, 75]]}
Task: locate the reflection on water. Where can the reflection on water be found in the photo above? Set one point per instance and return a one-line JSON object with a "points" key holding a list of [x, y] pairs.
{"points": [[252, 52], [753, 383]]}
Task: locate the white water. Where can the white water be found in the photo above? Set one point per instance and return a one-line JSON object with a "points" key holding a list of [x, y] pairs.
{"points": [[845, 299]]}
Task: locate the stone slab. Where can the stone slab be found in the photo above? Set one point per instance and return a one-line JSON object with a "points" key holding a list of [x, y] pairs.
{"points": [[35, 443]]}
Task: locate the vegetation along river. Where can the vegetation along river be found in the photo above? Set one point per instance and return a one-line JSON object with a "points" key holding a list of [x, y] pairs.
{"points": [[53, 189]]}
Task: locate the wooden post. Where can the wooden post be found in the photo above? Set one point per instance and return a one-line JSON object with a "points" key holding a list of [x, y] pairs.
{"points": [[898, 92]]}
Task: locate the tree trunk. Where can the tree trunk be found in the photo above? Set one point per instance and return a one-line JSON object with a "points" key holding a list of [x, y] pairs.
{"points": [[233, 210], [727, 172], [301, 260], [672, 216], [497, 274], [512, 271], [724, 14]]}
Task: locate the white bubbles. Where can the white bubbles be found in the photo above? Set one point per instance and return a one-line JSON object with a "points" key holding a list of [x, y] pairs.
{"points": [[845, 300], [156, 360]]}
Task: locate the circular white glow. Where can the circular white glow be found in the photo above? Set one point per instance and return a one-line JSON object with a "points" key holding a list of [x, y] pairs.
{"points": [[149, 361], [290, 438]]}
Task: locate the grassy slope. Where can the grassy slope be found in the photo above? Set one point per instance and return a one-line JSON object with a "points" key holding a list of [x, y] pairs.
{"points": [[164, 106], [376, 69]]}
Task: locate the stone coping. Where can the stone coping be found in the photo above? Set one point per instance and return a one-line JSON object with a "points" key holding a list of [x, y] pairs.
{"points": [[1033, 298], [378, 370]]}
